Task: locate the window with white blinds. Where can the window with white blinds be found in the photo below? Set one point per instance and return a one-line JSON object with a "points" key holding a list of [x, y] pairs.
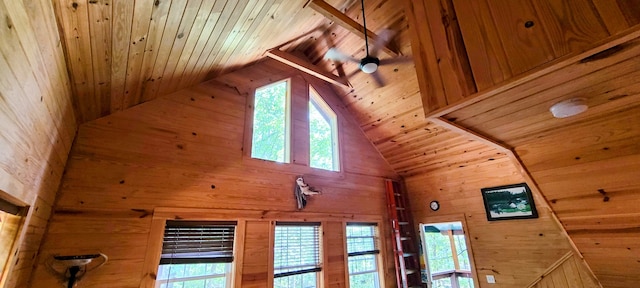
{"points": [[362, 250], [296, 254], [197, 242], [196, 254]]}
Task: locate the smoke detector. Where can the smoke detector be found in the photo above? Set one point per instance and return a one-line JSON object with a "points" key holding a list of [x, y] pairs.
{"points": [[569, 107]]}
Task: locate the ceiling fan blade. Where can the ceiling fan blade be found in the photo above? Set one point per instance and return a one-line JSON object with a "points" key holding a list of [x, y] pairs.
{"points": [[378, 78], [384, 37], [336, 55], [396, 60]]}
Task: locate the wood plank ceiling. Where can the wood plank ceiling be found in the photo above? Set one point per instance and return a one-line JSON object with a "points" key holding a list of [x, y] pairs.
{"points": [[122, 53]]}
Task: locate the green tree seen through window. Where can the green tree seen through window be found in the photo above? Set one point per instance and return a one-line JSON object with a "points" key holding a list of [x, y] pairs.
{"points": [[322, 134], [270, 125]]}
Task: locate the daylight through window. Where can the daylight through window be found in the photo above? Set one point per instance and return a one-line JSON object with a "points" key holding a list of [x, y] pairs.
{"points": [[323, 134], [362, 248], [196, 254], [296, 255], [270, 140], [447, 258]]}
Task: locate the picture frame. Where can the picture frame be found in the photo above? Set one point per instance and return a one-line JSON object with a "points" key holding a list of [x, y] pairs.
{"points": [[507, 202]]}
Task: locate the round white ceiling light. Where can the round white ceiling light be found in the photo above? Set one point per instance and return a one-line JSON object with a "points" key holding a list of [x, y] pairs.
{"points": [[569, 107]]}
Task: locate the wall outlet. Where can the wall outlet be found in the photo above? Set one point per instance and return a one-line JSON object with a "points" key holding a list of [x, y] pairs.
{"points": [[491, 279]]}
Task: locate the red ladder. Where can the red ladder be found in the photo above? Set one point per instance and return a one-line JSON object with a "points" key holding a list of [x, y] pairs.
{"points": [[404, 240]]}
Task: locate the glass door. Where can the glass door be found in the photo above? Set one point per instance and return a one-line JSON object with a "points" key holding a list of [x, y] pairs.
{"points": [[446, 256]]}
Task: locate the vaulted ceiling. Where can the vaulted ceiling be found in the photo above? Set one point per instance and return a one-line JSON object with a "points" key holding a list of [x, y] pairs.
{"points": [[488, 75], [123, 53]]}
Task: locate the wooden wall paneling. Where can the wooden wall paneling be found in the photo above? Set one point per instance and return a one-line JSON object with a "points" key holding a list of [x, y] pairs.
{"points": [[604, 53], [617, 15], [583, 165], [525, 47], [92, 231], [42, 19], [152, 85], [576, 75], [431, 86], [185, 150], [299, 121], [37, 122], [178, 43], [570, 26], [453, 61], [258, 255], [334, 262], [31, 80], [487, 55], [567, 272], [202, 27], [537, 244], [122, 21], [142, 12], [100, 29]]}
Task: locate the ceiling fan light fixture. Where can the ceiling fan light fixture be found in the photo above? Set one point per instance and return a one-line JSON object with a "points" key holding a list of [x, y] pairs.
{"points": [[569, 107], [369, 65]]}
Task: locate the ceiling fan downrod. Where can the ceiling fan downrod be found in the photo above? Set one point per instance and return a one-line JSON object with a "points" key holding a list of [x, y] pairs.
{"points": [[368, 64]]}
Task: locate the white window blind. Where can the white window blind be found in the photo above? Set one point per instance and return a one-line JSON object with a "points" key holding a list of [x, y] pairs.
{"points": [[187, 242], [296, 249], [361, 239], [362, 247]]}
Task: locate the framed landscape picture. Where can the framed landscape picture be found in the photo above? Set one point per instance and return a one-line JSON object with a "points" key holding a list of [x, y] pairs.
{"points": [[509, 202]]}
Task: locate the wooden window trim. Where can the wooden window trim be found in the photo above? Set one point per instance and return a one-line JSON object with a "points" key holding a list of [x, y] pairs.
{"points": [[325, 108], [162, 214], [250, 110], [379, 253], [453, 218], [299, 154]]}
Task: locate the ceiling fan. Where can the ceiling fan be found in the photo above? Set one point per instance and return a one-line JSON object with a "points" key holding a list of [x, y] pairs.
{"points": [[370, 63]]}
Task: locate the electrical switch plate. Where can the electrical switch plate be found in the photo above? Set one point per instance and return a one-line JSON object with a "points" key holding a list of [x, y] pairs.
{"points": [[491, 279]]}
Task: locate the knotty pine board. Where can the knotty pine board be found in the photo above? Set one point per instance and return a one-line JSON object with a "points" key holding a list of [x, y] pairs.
{"points": [[185, 150], [38, 123], [514, 251]]}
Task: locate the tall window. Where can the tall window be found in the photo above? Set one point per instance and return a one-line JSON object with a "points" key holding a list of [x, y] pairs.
{"points": [[323, 134], [447, 256], [270, 140], [196, 254], [296, 255], [362, 248]]}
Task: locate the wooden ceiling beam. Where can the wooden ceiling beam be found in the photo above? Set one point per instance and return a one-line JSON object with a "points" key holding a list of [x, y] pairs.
{"points": [[345, 21], [306, 66]]}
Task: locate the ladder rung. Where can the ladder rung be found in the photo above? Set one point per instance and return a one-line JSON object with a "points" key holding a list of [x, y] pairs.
{"points": [[411, 271], [397, 194], [403, 223], [405, 238], [408, 254], [399, 208]]}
